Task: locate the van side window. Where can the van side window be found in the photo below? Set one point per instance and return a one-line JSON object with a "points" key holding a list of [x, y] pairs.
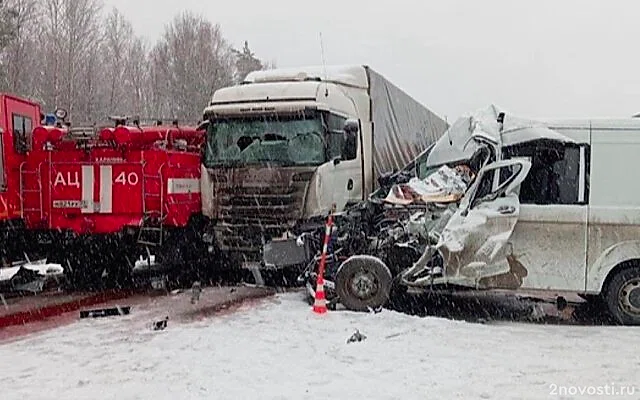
{"points": [[554, 175], [22, 127], [335, 138], [487, 191]]}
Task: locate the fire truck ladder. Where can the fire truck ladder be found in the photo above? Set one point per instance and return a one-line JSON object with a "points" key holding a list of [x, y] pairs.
{"points": [[151, 231], [29, 192]]}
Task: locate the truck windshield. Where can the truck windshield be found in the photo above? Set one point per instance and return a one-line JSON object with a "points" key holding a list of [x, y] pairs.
{"points": [[296, 140]]}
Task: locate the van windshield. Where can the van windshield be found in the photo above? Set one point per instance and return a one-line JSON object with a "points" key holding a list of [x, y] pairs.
{"points": [[284, 140]]}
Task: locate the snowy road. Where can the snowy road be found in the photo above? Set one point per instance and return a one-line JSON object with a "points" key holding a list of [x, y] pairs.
{"points": [[280, 350]]}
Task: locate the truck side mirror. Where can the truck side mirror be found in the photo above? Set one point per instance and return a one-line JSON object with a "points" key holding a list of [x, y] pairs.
{"points": [[202, 126], [350, 145], [351, 125]]}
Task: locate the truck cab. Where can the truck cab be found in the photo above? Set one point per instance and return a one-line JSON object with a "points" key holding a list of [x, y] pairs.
{"points": [[277, 153], [286, 146], [18, 118]]}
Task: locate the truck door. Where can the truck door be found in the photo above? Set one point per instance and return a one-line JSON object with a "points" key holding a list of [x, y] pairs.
{"points": [[475, 243], [4, 204], [3, 177], [341, 178]]}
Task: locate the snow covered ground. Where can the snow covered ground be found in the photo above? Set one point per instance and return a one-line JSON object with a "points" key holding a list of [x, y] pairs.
{"points": [[279, 349]]}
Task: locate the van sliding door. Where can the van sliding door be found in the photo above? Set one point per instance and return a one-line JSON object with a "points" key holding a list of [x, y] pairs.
{"points": [[551, 235]]}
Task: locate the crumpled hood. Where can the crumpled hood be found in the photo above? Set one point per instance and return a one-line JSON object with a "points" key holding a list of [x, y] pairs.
{"points": [[468, 133]]}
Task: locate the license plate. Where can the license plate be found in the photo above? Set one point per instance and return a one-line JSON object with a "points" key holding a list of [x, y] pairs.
{"points": [[69, 204]]}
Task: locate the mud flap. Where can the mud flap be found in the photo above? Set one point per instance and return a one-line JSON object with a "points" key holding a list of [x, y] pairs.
{"points": [[475, 242]]}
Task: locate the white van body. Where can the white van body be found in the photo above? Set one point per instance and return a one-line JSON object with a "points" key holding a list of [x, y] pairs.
{"points": [[564, 224]]}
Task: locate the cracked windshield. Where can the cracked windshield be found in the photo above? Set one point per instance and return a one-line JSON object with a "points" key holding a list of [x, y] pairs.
{"points": [[280, 140], [341, 200]]}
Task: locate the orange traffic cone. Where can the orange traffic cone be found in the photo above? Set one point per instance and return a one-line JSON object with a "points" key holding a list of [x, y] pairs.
{"points": [[320, 303]]}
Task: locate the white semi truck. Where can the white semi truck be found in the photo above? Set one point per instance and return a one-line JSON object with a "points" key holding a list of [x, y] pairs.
{"points": [[287, 144]]}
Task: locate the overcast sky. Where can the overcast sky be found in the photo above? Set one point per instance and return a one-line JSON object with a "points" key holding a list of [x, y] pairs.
{"points": [[542, 58]]}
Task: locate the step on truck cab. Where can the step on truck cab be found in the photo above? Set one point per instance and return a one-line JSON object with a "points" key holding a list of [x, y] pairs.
{"points": [[286, 145]]}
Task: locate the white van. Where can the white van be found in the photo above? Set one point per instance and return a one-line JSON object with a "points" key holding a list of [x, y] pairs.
{"points": [[559, 211]]}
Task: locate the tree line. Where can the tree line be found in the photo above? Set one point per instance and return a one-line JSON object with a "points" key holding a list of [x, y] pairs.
{"points": [[76, 55]]}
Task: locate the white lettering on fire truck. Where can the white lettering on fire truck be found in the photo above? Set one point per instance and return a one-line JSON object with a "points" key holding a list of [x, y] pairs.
{"points": [[72, 179], [127, 179], [110, 159]]}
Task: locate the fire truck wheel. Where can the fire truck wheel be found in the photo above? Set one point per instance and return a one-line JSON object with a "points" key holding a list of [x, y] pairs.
{"points": [[622, 296], [363, 283]]}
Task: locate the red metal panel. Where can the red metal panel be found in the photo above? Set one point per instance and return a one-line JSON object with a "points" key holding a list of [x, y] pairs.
{"points": [[125, 188]]}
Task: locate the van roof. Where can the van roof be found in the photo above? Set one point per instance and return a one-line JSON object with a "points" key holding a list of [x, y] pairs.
{"points": [[595, 123]]}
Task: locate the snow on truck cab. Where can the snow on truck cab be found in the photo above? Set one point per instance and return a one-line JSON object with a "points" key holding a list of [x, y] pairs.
{"points": [[287, 144], [549, 210]]}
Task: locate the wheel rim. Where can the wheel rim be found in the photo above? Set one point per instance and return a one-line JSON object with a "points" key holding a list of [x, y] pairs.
{"points": [[363, 284], [629, 297]]}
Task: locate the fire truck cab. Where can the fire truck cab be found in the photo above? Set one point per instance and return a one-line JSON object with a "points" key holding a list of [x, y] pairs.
{"points": [[18, 118]]}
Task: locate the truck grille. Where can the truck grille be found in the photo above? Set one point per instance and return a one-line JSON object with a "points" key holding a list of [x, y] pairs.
{"points": [[249, 216]]}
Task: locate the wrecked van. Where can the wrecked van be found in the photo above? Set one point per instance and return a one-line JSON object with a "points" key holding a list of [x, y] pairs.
{"points": [[548, 210]]}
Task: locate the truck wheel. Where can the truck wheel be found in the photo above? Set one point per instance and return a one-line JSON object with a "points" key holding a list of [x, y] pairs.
{"points": [[622, 296], [363, 283]]}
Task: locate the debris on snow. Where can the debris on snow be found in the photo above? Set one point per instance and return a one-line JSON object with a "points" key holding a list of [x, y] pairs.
{"points": [[356, 337], [161, 325], [196, 289], [105, 312]]}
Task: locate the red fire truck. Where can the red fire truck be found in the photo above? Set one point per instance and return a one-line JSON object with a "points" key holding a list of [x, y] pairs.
{"points": [[96, 200], [18, 117]]}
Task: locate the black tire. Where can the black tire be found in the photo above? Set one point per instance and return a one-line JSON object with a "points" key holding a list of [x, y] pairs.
{"points": [[622, 296], [373, 277]]}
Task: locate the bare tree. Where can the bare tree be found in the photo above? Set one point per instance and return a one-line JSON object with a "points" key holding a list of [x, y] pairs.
{"points": [[118, 39], [72, 30], [67, 53], [245, 62], [137, 78], [20, 51], [190, 61]]}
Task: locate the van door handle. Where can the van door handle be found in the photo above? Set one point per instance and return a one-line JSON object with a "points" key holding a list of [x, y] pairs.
{"points": [[506, 210], [350, 184]]}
